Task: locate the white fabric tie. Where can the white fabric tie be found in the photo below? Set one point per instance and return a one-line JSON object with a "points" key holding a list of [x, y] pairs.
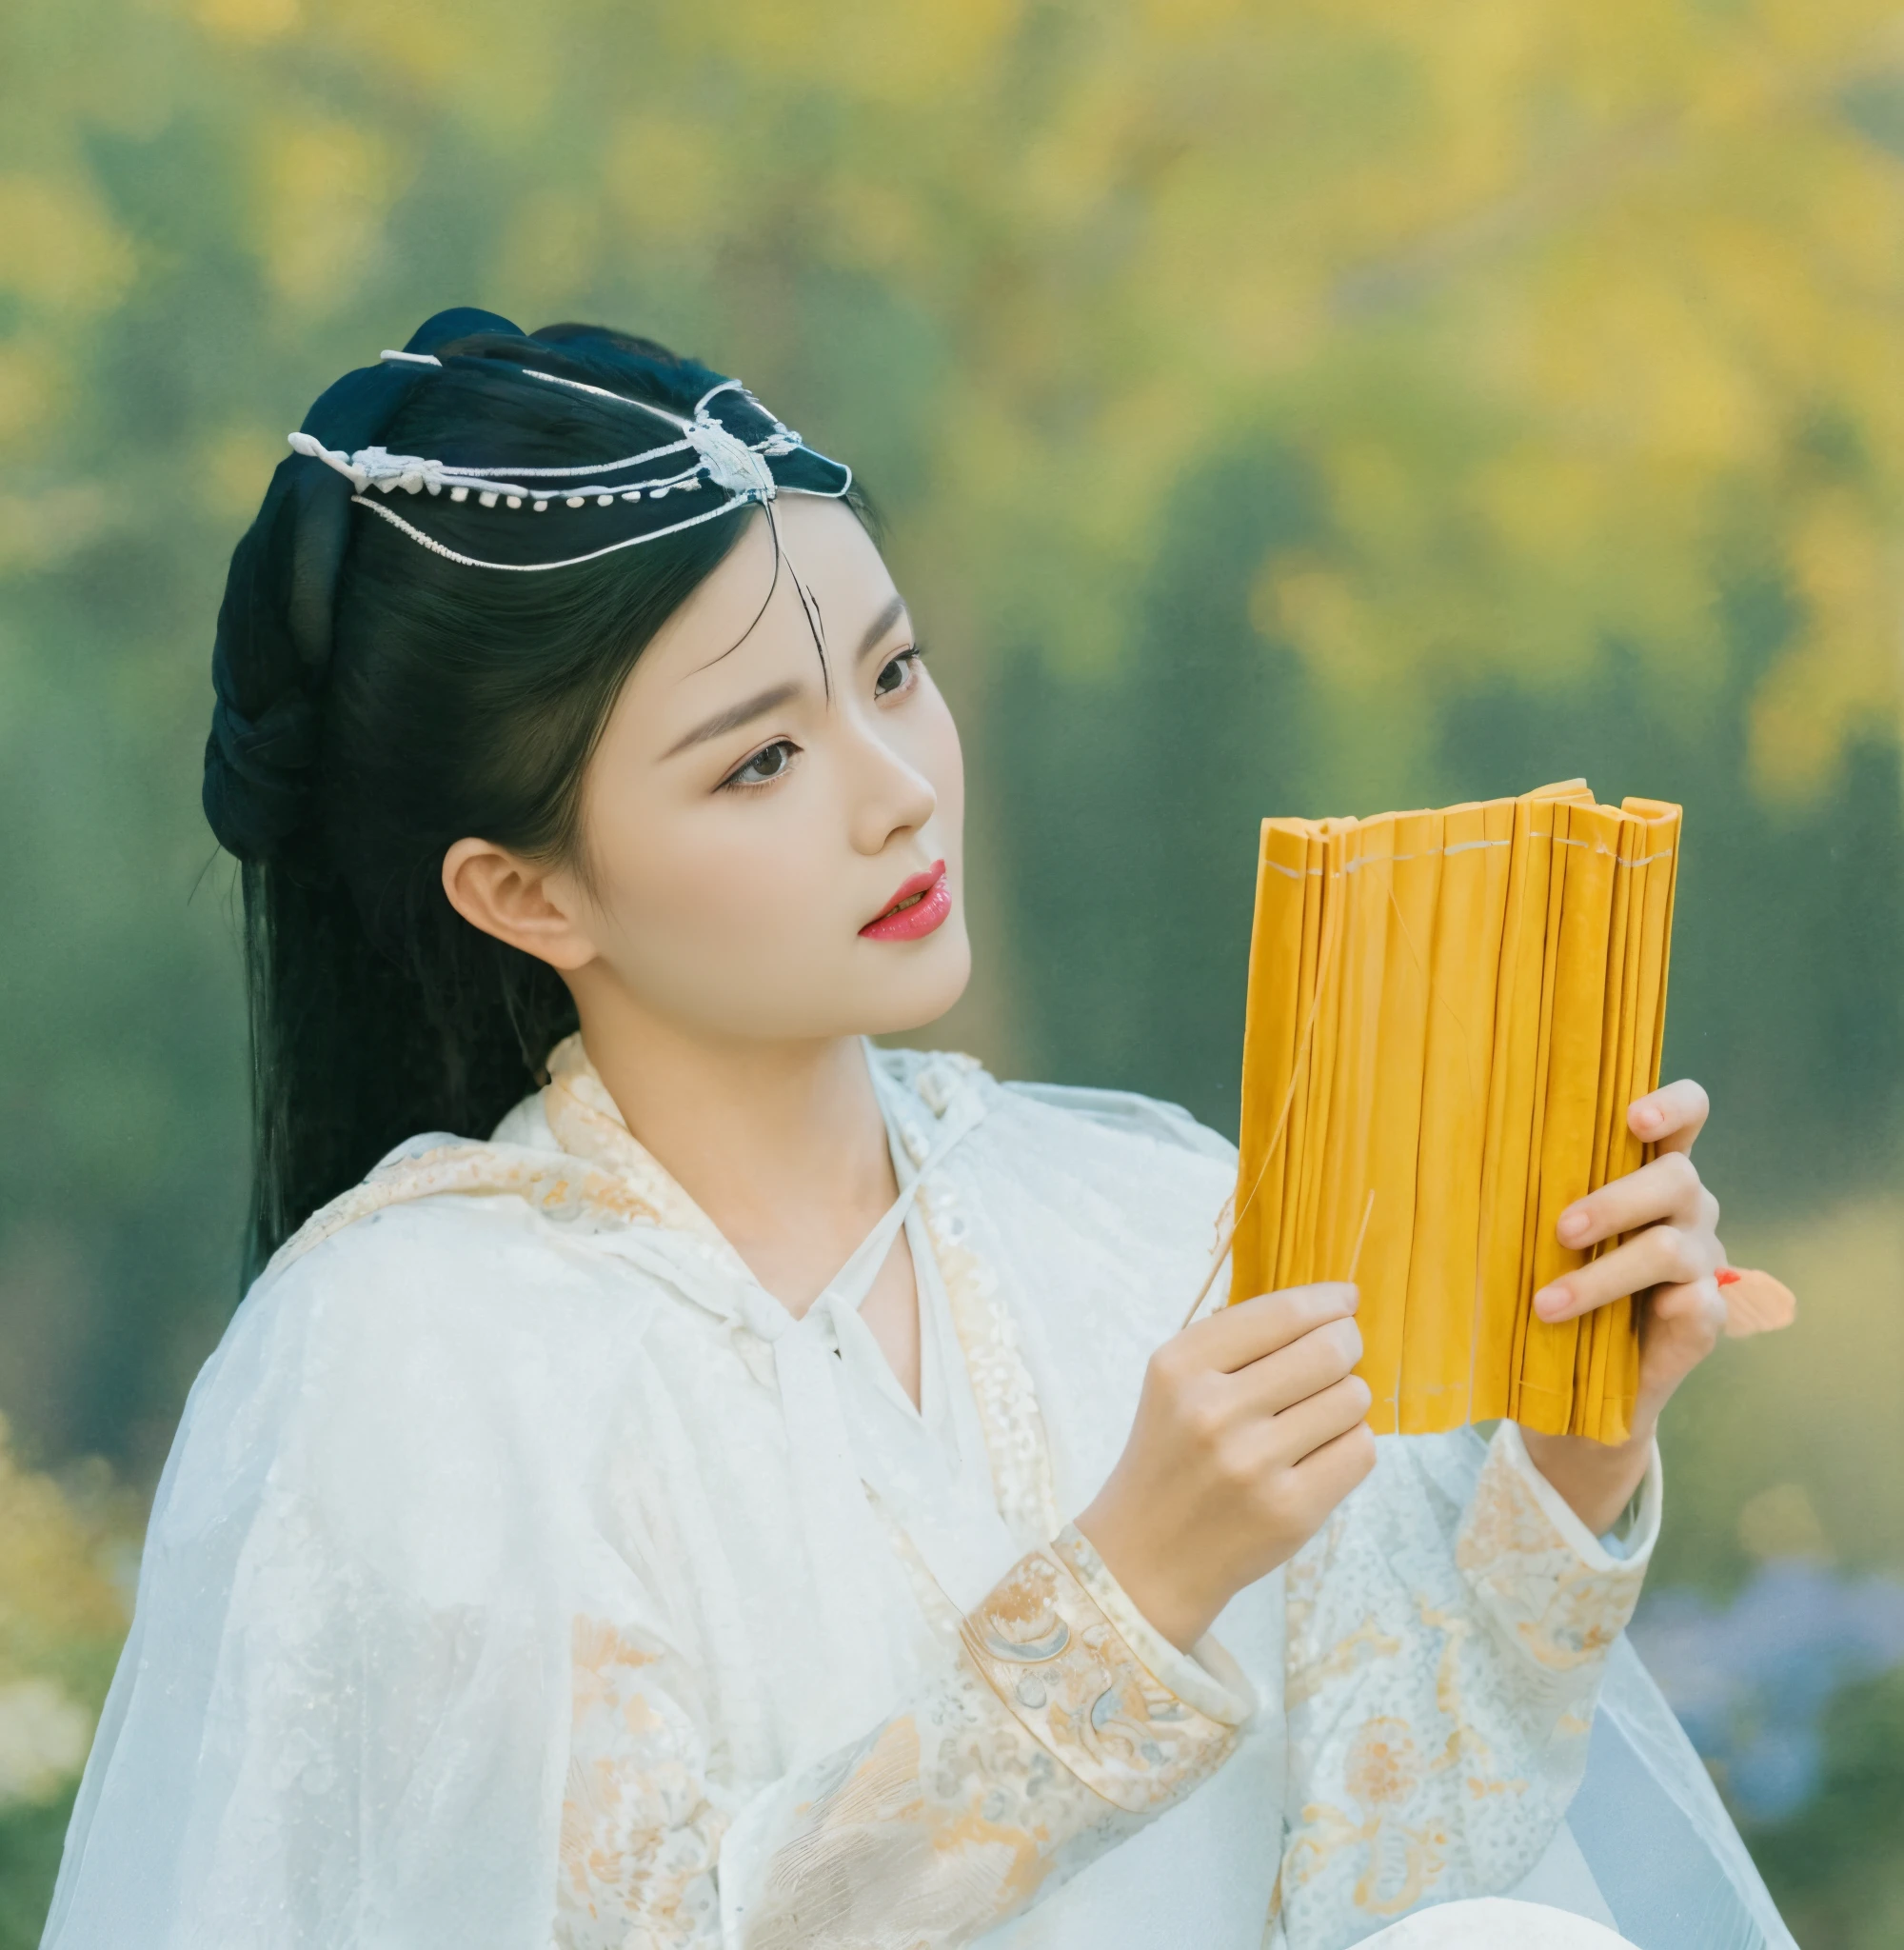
{"points": [[843, 1542]]}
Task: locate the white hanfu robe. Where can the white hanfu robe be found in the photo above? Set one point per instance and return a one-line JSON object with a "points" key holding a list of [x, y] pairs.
{"points": [[523, 1574]]}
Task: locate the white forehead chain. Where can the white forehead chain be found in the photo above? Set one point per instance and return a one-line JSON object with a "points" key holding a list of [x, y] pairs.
{"points": [[720, 459]]}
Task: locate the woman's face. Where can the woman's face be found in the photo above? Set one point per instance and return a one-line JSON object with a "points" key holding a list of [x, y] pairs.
{"points": [[779, 771]]}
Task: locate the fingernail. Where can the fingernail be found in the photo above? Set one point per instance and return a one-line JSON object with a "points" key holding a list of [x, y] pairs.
{"points": [[1573, 1226], [1650, 1120], [1550, 1301]]}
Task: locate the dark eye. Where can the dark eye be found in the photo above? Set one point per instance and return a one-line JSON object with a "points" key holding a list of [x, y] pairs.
{"points": [[897, 674], [765, 765]]}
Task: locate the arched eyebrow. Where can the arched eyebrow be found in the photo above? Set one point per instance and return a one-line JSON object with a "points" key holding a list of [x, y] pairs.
{"points": [[737, 715], [776, 695], [880, 624]]}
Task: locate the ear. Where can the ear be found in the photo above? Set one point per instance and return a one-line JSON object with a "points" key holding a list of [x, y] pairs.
{"points": [[538, 909]]}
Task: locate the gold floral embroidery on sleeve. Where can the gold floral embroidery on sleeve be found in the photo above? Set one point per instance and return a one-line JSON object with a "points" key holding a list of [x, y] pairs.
{"points": [[639, 1840], [1563, 1611], [1442, 1665], [1065, 1671], [1043, 1744], [1400, 1859], [940, 1822], [1408, 1773], [1314, 1656]]}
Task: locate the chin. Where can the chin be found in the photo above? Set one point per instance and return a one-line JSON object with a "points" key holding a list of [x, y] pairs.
{"points": [[917, 992]]}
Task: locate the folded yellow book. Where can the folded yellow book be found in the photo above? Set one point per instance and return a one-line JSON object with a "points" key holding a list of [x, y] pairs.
{"points": [[1449, 1014]]}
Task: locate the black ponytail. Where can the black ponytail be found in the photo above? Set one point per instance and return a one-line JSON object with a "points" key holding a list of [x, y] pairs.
{"points": [[378, 699]]}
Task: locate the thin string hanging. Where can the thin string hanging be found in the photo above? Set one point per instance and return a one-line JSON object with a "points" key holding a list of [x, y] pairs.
{"points": [[1240, 1210]]}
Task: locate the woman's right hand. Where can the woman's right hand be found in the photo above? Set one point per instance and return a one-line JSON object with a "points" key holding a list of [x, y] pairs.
{"points": [[1250, 1430]]}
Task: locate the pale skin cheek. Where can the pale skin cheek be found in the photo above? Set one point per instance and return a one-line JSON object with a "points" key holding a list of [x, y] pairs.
{"points": [[941, 758], [733, 914], [678, 929]]}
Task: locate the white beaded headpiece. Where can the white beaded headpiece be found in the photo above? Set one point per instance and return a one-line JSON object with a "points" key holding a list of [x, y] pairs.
{"points": [[720, 459]]}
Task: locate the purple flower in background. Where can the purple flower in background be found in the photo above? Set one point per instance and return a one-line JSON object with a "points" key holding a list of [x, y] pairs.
{"points": [[1750, 1680]]}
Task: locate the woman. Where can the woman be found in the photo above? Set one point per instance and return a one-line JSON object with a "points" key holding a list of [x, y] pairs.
{"points": [[757, 1495]]}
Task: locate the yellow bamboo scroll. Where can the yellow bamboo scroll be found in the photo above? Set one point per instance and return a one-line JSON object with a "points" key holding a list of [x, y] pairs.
{"points": [[1449, 1013]]}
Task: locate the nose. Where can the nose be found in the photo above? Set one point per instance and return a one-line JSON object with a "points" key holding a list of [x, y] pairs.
{"points": [[890, 798]]}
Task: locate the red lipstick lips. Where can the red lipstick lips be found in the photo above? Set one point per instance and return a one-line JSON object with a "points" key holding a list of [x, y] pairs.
{"points": [[922, 905]]}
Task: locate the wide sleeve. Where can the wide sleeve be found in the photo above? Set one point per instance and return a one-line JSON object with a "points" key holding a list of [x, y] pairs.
{"points": [[1448, 1631], [1059, 1723], [341, 1715]]}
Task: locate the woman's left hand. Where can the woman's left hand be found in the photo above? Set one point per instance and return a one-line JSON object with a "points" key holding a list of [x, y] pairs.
{"points": [[1672, 1260]]}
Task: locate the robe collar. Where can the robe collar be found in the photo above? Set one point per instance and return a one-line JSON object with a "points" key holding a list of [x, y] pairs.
{"points": [[597, 1175]]}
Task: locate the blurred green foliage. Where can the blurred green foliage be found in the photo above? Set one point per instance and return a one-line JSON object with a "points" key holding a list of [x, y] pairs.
{"points": [[1314, 409], [1131, 796], [1832, 1896]]}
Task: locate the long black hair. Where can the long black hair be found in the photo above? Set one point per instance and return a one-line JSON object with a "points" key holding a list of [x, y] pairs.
{"points": [[378, 699]]}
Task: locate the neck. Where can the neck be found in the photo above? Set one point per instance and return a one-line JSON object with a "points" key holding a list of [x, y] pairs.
{"points": [[773, 1140]]}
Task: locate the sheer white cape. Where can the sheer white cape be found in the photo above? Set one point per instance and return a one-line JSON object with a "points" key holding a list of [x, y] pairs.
{"points": [[510, 1394]]}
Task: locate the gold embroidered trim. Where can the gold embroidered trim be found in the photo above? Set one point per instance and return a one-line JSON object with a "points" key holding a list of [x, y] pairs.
{"points": [[1065, 1672], [1563, 1612], [588, 1123], [553, 1184], [1010, 1421], [640, 1843]]}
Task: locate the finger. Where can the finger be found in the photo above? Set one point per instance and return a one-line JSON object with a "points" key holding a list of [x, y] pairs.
{"points": [[1294, 1373], [1670, 1117], [1325, 1476], [1697, 1305], [1668, 1188], [1300, 1431], [1234, 1335], [1688, 1319], [1661, 1253]]}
